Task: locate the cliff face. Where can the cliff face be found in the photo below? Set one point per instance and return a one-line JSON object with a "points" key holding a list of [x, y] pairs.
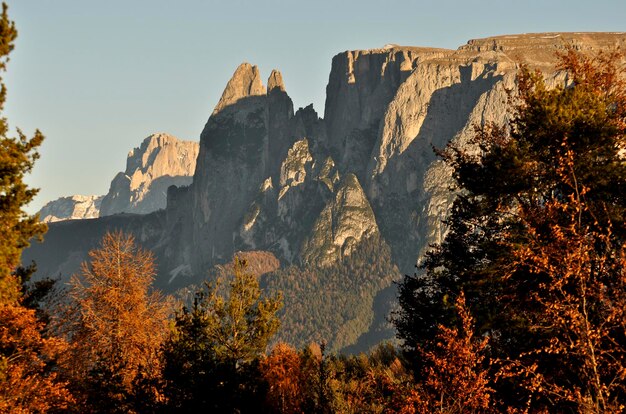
{"points": [[71, 208], [345, 220], [312, 191], [160, 161], [263, 174]]}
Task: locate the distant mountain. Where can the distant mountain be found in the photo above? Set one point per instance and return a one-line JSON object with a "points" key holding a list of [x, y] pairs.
{"points": [[71, 208], [346, 203], [160, 161]]}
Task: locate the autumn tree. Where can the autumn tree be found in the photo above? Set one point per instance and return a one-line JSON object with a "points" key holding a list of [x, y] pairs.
{"points": [[455, 376], [28, 355], [28, 381], [211, 358], [580, 303], [114, 323], [509, 182], [282, 370]]}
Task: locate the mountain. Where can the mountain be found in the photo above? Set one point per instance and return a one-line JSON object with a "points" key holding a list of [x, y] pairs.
{"points": [[160, 161], [347, 202], [71, 208]]}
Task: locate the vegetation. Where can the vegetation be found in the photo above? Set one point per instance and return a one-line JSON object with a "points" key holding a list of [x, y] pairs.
{"points": [[522, 308], [211, 357], [536, 245], [113, 323], [350, 285], [28, 380], [17, 157]]}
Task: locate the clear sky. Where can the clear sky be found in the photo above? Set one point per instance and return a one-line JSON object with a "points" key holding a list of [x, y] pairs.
{"points": [[96, 77]]}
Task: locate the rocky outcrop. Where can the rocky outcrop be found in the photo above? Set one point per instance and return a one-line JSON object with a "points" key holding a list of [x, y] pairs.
{"points": [[160, 161], [345, 221], [310, 190], [75, 207], [231, 166], [360, 87], [265, 174]]}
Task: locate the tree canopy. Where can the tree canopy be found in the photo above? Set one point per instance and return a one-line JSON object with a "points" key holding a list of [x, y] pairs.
{"points": [[114, 323], [17, 157], [211, 357], [538, 225]]}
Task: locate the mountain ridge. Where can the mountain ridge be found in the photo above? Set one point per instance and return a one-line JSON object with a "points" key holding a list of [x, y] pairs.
{"points": [[271, 179]]}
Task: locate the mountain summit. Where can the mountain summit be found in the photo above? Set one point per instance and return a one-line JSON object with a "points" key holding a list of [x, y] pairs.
{"points": [[339, 200]]}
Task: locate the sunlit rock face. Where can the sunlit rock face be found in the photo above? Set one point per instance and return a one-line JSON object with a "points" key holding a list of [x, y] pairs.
{"points": [[75, 207], [269, 178], [442, 100], [345, 221], [160, 161], [296, 189]]}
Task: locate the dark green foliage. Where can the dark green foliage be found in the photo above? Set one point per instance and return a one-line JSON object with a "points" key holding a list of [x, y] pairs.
{"points": [[17, 157], [211, 358], [518, 169], [334, 304]]}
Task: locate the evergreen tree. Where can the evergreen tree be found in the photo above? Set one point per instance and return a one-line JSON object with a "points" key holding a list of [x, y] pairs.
{"points": [[28, 378], [211, 358], [506, 190], [17, 157]]}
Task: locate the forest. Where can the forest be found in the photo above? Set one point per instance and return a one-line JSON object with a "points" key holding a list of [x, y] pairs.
{"points": [[521, 309]]}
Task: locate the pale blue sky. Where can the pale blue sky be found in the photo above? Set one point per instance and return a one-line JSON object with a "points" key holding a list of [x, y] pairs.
{"points": [[99, 76]]}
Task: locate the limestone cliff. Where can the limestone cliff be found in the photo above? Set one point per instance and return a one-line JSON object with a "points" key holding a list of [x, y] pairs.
{"points": [[231, 166], [442, 100], [160, 161], [75, 207], [309, 189], [343, 223]]}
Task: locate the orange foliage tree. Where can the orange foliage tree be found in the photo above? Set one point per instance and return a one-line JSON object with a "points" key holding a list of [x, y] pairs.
{"points": [[456, 379], [283, 372], [115, 324], [27, 381], [581, 303], [536, 240]]}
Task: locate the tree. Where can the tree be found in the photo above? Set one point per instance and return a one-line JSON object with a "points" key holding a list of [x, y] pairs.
{"points": [[115, 325], [508, 190], [212, 355], [282, 370], [581, 305], [17, 157], [28, 381], [456, 378]]}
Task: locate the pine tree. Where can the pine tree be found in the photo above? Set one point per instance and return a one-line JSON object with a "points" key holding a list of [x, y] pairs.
{"points": [[17, 157], [211, 358], [507, 192], [28, 355]]}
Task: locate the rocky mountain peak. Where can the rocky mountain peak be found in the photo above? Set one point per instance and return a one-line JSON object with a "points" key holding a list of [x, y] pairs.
{"points": [[245, 82], [275, 81], [160, 161], [346, 220], [71, 208]]}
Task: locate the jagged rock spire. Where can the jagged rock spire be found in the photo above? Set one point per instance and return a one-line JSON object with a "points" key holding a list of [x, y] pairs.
{"points": [[245, 82], [275, 81]]}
